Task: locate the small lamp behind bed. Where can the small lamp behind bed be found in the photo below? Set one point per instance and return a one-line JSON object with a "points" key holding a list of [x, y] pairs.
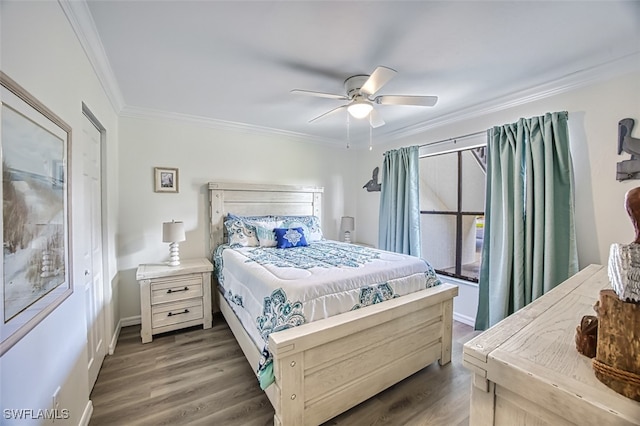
{"points": [[347, 224], [173, 232]]}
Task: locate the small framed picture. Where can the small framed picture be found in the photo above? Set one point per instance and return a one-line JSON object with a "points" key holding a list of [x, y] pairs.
{"points": [[166, 179]]}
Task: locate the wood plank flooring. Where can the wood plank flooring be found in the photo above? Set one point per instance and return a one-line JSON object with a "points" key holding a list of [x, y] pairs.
{"points": [[201, 377]]}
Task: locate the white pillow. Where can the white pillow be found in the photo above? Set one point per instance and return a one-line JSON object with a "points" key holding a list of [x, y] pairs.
{"points": [[264, 231]]}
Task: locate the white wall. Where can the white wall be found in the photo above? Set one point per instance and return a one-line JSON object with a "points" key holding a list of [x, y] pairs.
{"points": [[204, 154], [42, 54]]}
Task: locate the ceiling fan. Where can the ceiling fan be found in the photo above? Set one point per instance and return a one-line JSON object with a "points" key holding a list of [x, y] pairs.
{"points": [[360, 90]]}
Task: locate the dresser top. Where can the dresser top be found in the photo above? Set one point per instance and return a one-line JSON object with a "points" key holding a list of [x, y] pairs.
{"points": [[534, 349], [187, 266]]}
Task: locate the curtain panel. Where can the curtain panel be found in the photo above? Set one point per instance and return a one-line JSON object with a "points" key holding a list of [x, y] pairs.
{"points": [[399, 226], [529, 245]]}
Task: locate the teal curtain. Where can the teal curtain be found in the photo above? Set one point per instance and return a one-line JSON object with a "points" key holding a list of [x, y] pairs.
{"points": [[399, 227], [529, 241]]}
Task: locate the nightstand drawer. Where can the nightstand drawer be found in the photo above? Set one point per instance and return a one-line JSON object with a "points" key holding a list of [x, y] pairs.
{"points": [[170, 290], [175, 313]]}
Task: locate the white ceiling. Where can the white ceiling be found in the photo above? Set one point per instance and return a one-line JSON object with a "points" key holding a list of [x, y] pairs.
{"points": [[233, 63]]}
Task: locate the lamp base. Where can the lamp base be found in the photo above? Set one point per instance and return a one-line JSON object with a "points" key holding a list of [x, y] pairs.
{"points": [[347, 237], [174, 254]]}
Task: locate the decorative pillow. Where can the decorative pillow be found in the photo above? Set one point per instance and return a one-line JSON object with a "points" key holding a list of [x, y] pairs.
{"points": [[266, 236], [264, 229], [309, 224], [240, 233], [290, 237], [261, 226]]}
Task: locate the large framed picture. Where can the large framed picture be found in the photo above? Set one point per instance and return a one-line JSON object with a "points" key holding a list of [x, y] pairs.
{"points": [[166, 179], [36, 241]]}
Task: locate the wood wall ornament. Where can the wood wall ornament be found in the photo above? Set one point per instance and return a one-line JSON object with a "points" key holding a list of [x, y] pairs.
{"points": [[628, 169], [373, 184]]}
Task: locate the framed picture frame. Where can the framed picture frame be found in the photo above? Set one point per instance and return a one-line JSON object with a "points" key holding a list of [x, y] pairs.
{"points": [[166, 179], [36, 226]]}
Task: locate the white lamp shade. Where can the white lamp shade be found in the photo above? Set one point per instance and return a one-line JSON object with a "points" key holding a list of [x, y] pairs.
{"points": [[347, 223], [359, 109], [173, 232]]}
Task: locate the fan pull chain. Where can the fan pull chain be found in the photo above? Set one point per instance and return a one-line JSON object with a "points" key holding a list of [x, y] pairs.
{"points": [[348, 130], [370, 134]]}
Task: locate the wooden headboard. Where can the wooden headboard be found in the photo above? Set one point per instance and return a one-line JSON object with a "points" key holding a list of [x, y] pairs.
{"points": [[247, 199]]}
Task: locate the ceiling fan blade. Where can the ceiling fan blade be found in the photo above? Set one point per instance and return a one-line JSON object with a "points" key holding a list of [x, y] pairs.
{"points": [[328, 113], [377, 79], [406, 100], [319, 94], [374, 119]]}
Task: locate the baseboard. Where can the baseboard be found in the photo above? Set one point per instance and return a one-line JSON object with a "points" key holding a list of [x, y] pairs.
{"points": [[114, 338], [126, 322], [464, 319], [86, 415]]}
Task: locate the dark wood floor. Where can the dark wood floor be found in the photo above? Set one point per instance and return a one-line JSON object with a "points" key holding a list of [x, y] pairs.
{"points": [[196, 376]]}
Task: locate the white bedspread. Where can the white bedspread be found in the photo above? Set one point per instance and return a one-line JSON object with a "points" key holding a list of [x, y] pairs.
{"points": [[274, 289]]}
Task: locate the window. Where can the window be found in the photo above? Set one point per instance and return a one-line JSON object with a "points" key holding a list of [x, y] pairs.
{"points": [[452, 192]]}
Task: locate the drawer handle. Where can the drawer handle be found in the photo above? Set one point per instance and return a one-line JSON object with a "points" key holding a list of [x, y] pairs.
{"points": [[177, 291], [171, 314]]}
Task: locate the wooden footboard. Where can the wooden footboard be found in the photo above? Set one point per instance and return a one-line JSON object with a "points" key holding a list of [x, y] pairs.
{"points": [[326, 367]]}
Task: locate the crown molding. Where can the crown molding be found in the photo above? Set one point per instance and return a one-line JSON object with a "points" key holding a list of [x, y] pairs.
{"points": [[569, 82], [147, 113], [558, 86], [79, 16]]}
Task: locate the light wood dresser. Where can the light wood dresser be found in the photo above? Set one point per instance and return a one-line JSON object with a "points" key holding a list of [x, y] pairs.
{"points": [[174, 297], [527, 370]]}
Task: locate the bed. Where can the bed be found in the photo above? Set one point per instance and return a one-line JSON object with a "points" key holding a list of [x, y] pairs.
{"points": [[325, 367]]}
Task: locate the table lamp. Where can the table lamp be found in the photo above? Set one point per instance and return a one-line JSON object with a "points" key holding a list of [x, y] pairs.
{"points": [[347, 224], [173, 233]]}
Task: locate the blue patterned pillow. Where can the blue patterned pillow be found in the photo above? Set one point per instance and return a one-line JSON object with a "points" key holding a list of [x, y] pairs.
{"points": [[240, 233], [290, 237], [261, 226]]}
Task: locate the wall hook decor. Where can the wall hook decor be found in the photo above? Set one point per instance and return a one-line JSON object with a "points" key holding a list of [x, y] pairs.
{"points": [[373, 184], [628, 169]]}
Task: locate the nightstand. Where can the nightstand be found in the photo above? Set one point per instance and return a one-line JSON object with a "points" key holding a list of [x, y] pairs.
{"points": [[174, 297]]}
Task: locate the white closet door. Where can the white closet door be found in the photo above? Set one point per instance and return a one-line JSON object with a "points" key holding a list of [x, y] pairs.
{"points": [[92, 249]]}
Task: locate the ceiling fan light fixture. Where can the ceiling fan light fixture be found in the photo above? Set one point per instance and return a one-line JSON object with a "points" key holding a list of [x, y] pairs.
{"points": [[359, 109]]}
